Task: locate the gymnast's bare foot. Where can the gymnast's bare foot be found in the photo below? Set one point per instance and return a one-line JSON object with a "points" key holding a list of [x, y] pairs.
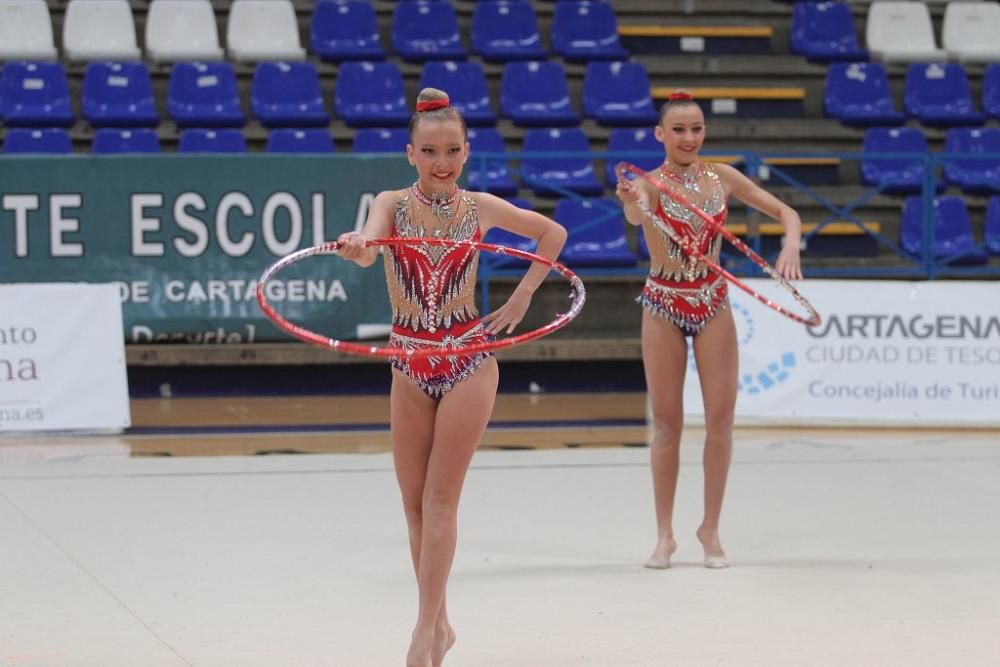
{"points": [[419, 654], [660, 560], [715, 557], [444, 639]]}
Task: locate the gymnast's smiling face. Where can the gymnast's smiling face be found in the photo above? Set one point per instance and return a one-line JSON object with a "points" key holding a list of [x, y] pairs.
{"points": [[682, 132], [438, 149]]}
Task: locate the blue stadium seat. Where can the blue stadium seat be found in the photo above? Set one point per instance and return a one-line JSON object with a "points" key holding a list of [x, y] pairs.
{"points": [[536, 93], [584, 31], [618, 93], [938, 94], [824, 32], [991, 90], [859, 94], [510, 240], [505, 30], [371, 94], [596, 233], [119, 95], [34, 95], [426, 31], [381, 140], [952, 230], [629, 140], [223, 140], [299, 140], [465, 83], [973, 176], [566, 173], [53, 140], [895, 175], [345, 30], [992, 234], [498, 179], [288, 94], [204, 95], [133, 140]]}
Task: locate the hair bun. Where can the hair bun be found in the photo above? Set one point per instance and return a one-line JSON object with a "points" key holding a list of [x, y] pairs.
{"points": [[431, 105], [680, 95]]}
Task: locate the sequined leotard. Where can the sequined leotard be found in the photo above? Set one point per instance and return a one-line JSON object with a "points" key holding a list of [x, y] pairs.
{"points": [[432, 292], [680, 290]]}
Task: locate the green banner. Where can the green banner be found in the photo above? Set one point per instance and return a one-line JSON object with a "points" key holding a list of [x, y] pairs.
{"points": [[185, 238]]}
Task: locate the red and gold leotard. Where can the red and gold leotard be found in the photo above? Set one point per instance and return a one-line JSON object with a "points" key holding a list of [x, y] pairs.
{"points": [[679, 289], [432, 290]]}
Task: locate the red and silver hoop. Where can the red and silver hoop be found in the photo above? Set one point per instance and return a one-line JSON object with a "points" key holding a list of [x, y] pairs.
{"points": [[812, 318], [577, 297]]}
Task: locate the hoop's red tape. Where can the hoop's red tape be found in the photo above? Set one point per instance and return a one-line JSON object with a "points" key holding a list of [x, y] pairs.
{"points": [[812, 319], [578, 296]]}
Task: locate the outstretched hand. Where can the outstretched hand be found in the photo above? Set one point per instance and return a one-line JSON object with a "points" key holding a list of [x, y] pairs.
{"points": [[628, 191], [789, 265], [508, 315], [352, 245]]}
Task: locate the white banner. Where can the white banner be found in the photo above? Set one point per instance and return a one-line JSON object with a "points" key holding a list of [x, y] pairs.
{"points": [[887, 352], [62, 358]]}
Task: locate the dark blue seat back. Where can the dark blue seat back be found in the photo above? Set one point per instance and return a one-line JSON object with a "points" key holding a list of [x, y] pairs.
{"points": [[222, 140], [426, 31], [371, 94], [510, 240], [507, 239], [506, 30], [938, 94], [991, 90], [978, 176], [825, 32], [569, 173], [629, 140], [54, 140], [992, 233], [896, 175], [300, 140], [498, 180], [133, 140], [859, 94], [119, 95], [536, 93], [618, 93], [952, 230], [466, 86], [345, 30], [34, 95], [288, 94], [204, 95], [584, 31], [381, 140], [596, 233]]}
